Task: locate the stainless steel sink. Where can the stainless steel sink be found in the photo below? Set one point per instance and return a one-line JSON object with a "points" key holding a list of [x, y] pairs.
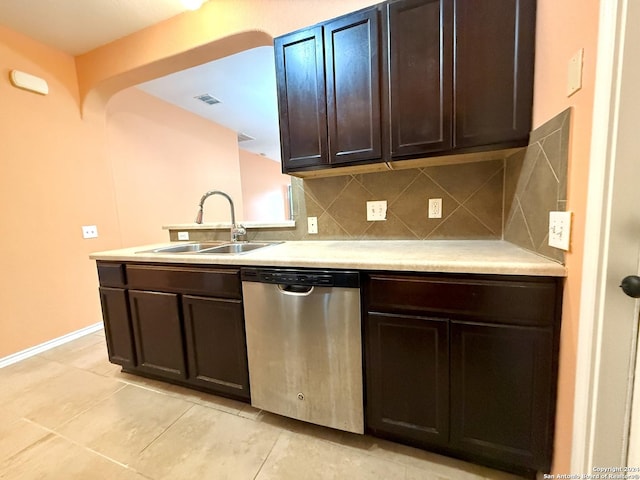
{"points": [[211, 247], [240, 247], [184, 248]]}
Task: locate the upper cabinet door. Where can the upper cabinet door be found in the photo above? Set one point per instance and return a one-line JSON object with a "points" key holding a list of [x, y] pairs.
{"points": [[353, 87], [301, 99], [419, 62], [494, 49]]}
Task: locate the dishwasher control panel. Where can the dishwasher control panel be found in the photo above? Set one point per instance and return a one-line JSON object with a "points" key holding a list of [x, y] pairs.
{"points": [[285, 276]]}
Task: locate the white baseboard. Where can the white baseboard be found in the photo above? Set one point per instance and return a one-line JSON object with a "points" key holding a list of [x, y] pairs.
{"points": [[30, 352]]}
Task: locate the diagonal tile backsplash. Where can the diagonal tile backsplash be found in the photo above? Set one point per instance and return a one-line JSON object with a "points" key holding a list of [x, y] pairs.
{"points": [[492, 199], [536, 183], [471, 193]]}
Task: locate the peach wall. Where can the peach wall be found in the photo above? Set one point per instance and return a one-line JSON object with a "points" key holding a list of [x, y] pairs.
{"points": [[53, 180], [56, 172], [218, 29], [563, 28], [164, 158], [263, 188]]}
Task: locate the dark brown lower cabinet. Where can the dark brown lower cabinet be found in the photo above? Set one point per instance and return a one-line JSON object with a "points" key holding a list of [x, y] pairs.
{"points": [[464, 365], [179, 323], [501, 392], [216, 345], [117, 326], [157, 330], [408, 381]]}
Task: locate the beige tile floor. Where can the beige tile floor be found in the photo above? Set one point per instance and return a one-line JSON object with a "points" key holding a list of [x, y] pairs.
{"points": [[68, 414]]}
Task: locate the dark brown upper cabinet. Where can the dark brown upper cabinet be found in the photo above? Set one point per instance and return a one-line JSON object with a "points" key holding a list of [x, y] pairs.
{"points": [[420, 62], [302, 103], [328, 80], [406, 79], [353, 87], [493, 71]]}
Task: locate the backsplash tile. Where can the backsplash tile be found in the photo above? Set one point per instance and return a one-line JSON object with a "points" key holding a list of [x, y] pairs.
{"points": [[540, 179], [490, 199], [472, 197]]}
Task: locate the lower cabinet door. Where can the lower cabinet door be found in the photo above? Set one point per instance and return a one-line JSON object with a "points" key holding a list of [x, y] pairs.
{"points": [[501, 393], [158, 333], [407, 370], [117, 326], [216, 345]]}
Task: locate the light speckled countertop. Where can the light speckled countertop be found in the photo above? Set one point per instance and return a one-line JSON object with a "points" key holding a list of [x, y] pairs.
{"points": [[447, 256]]}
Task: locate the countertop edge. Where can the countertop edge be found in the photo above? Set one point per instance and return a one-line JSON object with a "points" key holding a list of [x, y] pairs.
{"points": [[516, 262]]}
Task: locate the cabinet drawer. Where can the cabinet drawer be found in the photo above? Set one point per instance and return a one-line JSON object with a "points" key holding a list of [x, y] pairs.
{"points": [[111, 274], [518, 301], [217, 282]]}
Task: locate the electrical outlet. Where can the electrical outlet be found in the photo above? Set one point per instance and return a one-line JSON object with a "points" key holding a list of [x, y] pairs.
{"points": [[559, 229], [89, 231], [377, 211], [312, 225], [435, 208], [183, 235]]}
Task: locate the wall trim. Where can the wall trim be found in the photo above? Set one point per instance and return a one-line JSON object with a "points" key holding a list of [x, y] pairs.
{"points": [[596, 435], [43, 347]]}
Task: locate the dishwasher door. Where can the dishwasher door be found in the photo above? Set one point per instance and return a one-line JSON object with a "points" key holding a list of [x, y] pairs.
{"points": [[304, 348]]}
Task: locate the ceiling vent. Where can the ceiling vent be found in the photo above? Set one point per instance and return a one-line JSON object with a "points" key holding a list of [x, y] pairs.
{"points": [[243, 137], [208, 99]]}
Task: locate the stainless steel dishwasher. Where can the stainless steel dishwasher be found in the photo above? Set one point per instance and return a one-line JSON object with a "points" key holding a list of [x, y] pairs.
{"points": [[304, 344]]}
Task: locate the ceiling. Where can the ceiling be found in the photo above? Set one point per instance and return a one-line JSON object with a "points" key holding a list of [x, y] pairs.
{"points": [[244, 83]]}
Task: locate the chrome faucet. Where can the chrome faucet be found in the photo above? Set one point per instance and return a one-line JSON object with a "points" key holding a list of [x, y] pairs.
{"points": [[236, 230]]}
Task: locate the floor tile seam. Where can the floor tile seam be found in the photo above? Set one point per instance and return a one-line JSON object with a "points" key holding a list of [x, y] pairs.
{"points": [[273, 446], [53, 433], [49, 435], [167, 428], [90, 405]]}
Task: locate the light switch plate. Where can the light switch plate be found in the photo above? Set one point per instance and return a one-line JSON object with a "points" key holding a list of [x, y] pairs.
{"points": [[183, 235], [377, 211], [574, 78], [312, 225], [89, 231], [560, 230]]}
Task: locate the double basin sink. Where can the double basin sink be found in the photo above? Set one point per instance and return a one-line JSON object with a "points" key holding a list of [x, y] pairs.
{"points": [[212, 247]]}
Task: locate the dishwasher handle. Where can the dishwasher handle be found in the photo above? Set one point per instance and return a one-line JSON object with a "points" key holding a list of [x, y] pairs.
{"points": [[295, 290]]}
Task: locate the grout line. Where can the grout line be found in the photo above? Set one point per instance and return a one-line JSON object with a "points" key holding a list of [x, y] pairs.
{"points": [[444, 220], [268, 455], [478, 219], [55, 433], [167, 428], [550, 166], [526, 224], [91, 405]]}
